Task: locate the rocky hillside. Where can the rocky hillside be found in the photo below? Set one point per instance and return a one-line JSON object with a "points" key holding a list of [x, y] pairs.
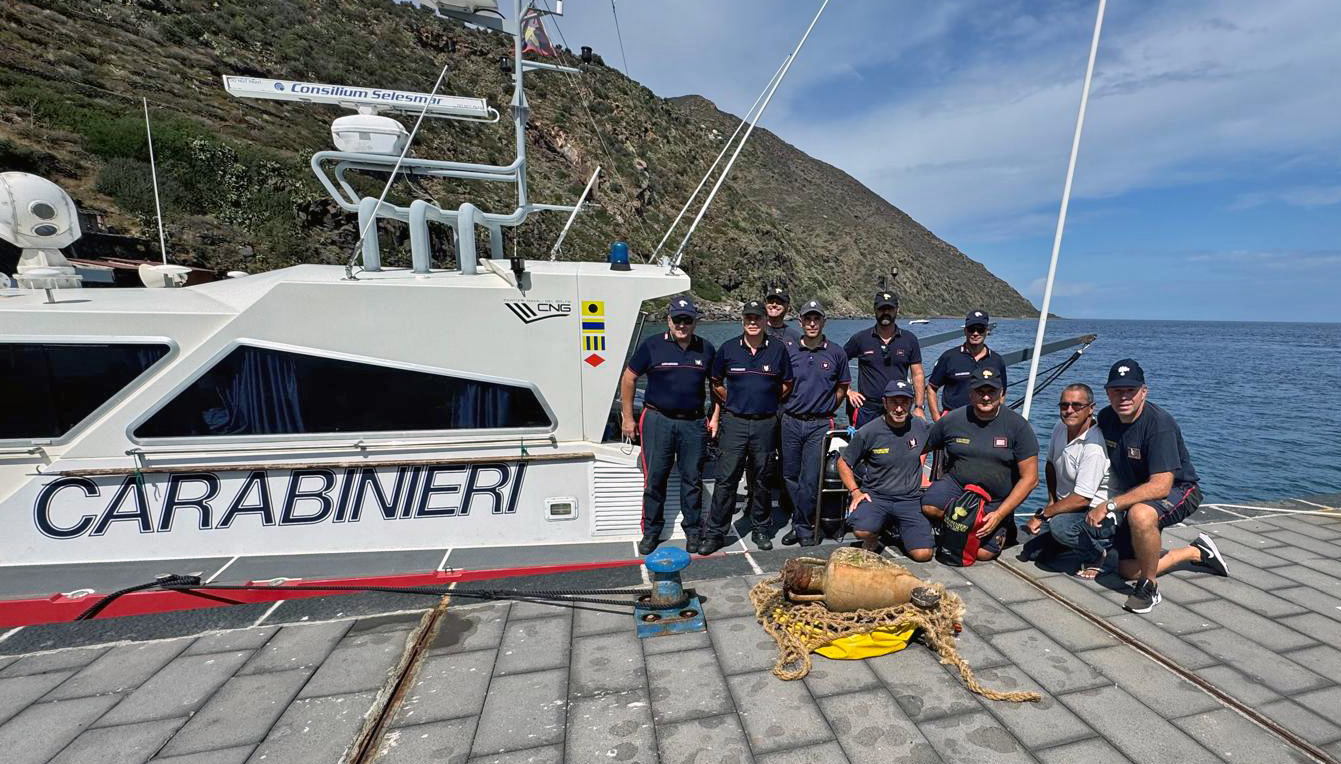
{"points": [[238, 193]]}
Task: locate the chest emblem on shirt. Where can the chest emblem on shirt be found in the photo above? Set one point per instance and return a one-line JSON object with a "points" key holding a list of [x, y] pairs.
{"points": [[1133, 452], [824, 365], [698, 361], [899, 351], [765, 367], [999, 441], [912, 442]]}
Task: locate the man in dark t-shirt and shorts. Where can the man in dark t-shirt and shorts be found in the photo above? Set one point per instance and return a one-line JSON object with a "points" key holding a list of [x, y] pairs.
{"points": [[891, 491], [988, 445], [1152, 483]]}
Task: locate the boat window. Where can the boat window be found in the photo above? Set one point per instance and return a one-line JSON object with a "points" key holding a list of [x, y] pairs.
{"points": [[260, 391], [48, 388]]}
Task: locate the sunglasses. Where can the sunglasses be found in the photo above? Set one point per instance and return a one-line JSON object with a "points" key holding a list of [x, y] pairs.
{"points": [[682, 320], [1068, 405], [975, 329]]}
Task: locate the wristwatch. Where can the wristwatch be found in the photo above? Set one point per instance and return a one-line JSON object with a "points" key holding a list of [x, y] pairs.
{"points": [[1111, 506]]}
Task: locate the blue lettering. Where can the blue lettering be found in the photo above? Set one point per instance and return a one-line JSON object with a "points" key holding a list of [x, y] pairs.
{"points": [[289, 515], [408, 510], [132, 485], [516, 489], [494, 492], [173, 499], [368, 478], [42, 508], [431, 489], [345, 492], [262, 506]]}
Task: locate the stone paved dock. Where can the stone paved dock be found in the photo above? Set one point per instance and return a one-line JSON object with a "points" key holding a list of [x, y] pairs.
{"points": [[529, 682]]}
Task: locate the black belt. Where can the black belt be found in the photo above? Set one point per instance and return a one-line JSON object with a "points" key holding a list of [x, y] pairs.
{"points": [[687, 415], [752, 416], [809, 417]]}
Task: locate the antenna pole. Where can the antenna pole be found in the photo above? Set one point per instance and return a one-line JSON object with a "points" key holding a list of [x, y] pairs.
{"points": [[679, 252], [153, 172], [743, 121], [1061, 216], [554, 250]]}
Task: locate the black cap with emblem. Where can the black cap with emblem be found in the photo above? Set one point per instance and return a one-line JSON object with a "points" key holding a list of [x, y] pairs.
{"points": [[778, 293], [1126, 373]]}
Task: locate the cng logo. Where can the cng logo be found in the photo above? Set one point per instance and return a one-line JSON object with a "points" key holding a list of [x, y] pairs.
{"points": [[531, 311]]}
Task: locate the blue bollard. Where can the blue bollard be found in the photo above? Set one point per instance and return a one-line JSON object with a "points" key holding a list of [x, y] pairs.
{"points": [[669, 609]]}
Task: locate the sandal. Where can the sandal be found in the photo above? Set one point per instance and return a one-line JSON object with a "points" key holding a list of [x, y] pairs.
{"points": [[1089, 572]]}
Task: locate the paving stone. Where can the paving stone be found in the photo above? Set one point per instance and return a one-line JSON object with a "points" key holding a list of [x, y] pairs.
{"points": [[236, 755], [1094, 598], [1003, 585], [777, 714], [687, 685], [120, 669], [39, 731], [1149, 681], [1330, 566], [1246, 537], [1237, 553], [445, 687], [241, 712], [316, 729], [233, 639], [548, 754], [462, 630], [724, 597], [824, 753], [1319, 627], [522, 711], [442, 742], [1141, 734], [606, 663], [1234, 682], [534, 644], [1171, 646], [834, 677], [1319, 547], [1262, 602], [1178, 588], [1310, 577], [706, 739], [1324, 701], [596, 619], [381, 624], [1232, 737], [1301, 721], [742, 645], [179, 689], [1307, 527], [298, 646], [1295, 555], [524, 609], [1313, 600], [612, 727], [1282, 675], [1255, 526], [1320, 659], [923, 688], [1094, 749], [674, 643], [985, 614], [363, 662], [125, 744], [1268, 632], [17, 693], [1047, 662], [872, 728], [977, 651], [59, 660], [973, 737], [1063, 625], [1037, 725]]}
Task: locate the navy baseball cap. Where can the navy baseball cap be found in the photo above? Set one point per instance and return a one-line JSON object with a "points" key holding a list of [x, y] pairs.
{"points": [[986, 378], [683, 305], [1125, 373], [753, 308], [812, 306], [778, 293], [886, 300], [898, 388], [976, 318]]}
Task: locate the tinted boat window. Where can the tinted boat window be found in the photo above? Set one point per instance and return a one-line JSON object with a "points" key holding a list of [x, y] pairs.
{"points": [[47, 389], [258, 391]]}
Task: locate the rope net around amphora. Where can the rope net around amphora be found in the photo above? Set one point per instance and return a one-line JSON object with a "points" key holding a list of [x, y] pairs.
{"points": [[800, 628]]}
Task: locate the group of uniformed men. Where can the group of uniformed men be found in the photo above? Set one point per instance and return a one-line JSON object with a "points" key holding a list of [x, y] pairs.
{"points": [[1113, 480]]}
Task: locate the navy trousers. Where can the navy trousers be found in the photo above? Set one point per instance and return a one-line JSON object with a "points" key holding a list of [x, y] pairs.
{"points": [[801, 441], [743, 444], [666, 442]]}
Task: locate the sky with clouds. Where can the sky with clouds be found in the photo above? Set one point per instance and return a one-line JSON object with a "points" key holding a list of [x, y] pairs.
{"points": [[1208, 184]]}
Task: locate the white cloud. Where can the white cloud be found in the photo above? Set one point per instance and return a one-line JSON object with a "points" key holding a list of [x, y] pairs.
{"points": [[1307, 197]]}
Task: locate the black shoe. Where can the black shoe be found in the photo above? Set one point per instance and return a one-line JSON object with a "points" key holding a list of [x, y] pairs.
{"points": [[1211, 559], [811, 541], [1144, 597], [709, 545], [691, 541], [1037, 547], [790, 538], [762, 541], [648, 544]]}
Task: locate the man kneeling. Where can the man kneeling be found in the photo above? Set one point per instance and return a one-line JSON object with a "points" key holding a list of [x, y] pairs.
{"points": [[891, 491]]}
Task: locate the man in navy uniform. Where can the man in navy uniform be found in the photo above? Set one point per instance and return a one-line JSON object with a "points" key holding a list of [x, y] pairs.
{"points": [[776, 302], [891, 489], [990, 446], [822, 380], [677, 363], [956, 365], [883, 353], [751, 374], [1153, 486]]}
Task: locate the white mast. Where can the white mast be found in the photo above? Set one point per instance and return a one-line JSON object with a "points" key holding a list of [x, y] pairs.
{"points": [[153, 172], [1061, 216]]}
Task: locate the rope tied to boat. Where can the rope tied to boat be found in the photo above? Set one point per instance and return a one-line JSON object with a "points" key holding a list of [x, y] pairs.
{"points": [[800, 628]]}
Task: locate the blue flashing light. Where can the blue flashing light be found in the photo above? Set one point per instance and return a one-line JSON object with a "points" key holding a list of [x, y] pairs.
{"points": [[619, 256]]}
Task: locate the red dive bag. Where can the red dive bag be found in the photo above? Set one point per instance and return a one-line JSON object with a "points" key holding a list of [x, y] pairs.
{"points": [[958, 543]]}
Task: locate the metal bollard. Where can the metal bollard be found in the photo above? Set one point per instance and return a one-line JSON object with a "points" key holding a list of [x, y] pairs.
{"points": [[670, 608]]}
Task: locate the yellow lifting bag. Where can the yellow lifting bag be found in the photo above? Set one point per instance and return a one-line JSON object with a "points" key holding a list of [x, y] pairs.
{"points": [[868, 645]]}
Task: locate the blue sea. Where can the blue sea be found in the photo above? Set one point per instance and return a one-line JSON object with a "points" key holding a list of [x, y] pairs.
{"points": [[1259, 403]]}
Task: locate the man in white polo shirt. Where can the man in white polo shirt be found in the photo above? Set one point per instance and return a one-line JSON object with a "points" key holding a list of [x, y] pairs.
{"points": [[1077, 474]]}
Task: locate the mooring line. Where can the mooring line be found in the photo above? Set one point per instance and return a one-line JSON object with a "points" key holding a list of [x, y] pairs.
{"points": [[1229, 700]]}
